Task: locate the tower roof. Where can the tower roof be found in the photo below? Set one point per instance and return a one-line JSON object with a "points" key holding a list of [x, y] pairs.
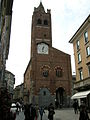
{"points": [[39, 8]]}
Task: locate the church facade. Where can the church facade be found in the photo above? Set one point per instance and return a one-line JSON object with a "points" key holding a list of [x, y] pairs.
{"points": [[48, 76]]}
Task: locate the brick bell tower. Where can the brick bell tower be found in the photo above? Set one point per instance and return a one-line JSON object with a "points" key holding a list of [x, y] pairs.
{"points": [[41, 42], [46, 63], [41, 30]]}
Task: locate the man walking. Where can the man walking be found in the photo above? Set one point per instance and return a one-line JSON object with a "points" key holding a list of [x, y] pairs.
{"points": [[41, 111], [51, 111], [75, 106]]}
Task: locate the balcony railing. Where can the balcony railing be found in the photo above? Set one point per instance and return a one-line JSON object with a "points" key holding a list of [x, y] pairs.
{"points": [[82, 83]]}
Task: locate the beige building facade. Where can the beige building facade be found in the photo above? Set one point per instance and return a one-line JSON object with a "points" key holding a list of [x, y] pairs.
{"points": [[81, 45]]}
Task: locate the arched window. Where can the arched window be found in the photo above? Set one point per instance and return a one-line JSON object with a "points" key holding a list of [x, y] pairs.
{"points": [[39, 21], [45, 22], [45, 73], [45, 70], [59, 72]]}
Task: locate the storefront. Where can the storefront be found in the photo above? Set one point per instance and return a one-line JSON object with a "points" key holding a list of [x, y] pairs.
{"points": [[83, 96]]}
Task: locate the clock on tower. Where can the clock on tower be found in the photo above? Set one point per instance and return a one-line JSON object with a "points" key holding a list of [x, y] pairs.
{"points": [[42, 48], [41, 38]]}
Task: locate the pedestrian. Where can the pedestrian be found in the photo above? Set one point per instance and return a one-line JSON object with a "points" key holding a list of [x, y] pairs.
{"points": [[37, 111], [41, 111], [56, 104], [26, 112], [82, 104], [17, 105], [32, 111], [51, 111], [83, 113], [75, 106]]}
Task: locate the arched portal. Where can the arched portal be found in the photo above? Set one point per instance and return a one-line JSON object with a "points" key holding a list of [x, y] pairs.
{"points": [[60, 93], [45, 97]]}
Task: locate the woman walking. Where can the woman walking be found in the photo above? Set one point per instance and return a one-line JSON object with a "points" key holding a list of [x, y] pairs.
{"points": [[51, 111]]}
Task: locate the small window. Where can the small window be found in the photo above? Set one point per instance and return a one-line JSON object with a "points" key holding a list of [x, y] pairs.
{"points": [[88, 70], [45, 22], [88, 50], [77, 45], [58, 72], [79, 57], [86, 36], [39, 21], [45, 73], [45, 70], [44, 93], [0, 74], [44, 35], [80, 74]]}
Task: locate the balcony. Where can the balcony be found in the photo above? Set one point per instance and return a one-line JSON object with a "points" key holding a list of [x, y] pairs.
{"points": [[85, 83]]}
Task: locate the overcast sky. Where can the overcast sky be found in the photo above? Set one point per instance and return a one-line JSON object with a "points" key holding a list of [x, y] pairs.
{"points": [[67, 16]]}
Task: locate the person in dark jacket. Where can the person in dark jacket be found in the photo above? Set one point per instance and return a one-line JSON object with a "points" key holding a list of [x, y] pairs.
{"points": [[83, 113], [51, 111], [32, 111], [26, 112], [75, 106], [41, 111]]}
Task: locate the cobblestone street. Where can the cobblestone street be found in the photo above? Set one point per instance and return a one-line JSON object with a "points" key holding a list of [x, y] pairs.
{"points": [[63, 114]]}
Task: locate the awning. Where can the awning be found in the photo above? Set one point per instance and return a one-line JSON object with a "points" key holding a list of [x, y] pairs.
{"points": [[80, 94]]}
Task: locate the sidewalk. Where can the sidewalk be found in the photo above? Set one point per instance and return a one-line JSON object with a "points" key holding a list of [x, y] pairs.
{"points": [[61, 114]]}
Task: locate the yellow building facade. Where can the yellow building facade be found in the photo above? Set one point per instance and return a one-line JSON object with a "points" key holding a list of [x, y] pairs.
{"points": [[81, 46]]}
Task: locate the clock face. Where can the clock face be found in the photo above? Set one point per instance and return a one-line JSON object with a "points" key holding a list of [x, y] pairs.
{"points": [[42, 48]]}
